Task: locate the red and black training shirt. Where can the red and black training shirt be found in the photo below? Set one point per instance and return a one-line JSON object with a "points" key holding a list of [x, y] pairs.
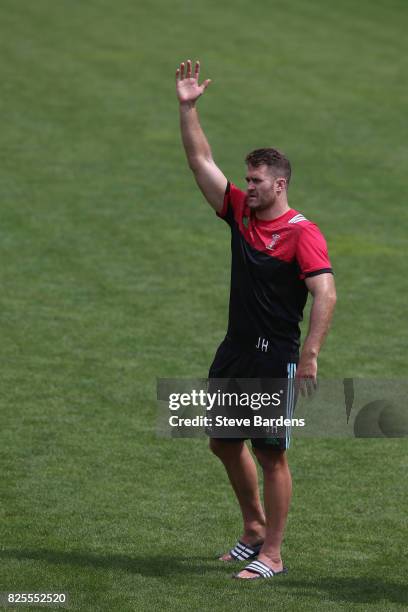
{"points": [[270, 261]]}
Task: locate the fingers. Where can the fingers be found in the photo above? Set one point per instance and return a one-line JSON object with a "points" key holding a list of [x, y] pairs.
{"points": [[299, 386], [181, 71], [307, 385], [185, 71], [311, 387], [197, 70]]}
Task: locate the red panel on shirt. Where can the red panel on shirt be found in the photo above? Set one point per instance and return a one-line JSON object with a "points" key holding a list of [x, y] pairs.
{"points": [[236, 198], [311, 250], [279, 238]]}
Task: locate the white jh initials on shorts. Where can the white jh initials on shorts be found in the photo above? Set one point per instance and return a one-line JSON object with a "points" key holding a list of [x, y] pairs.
{"points": [[262, 344]]}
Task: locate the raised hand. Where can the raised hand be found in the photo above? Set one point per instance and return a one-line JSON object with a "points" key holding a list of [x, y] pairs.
{"points": [[187, 87]]}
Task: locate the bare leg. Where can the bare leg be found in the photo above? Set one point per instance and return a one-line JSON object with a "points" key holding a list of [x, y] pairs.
{"points": [[241, 470], [277, 495]]}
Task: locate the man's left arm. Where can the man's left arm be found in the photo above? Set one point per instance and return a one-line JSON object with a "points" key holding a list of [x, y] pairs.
{"points": [[323, 290]]}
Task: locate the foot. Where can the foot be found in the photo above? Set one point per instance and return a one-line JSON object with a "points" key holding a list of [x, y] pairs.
{"points": [[253, 539], [275, 564]]}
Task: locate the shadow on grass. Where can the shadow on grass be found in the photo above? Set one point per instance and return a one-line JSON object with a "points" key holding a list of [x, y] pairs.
{"points": [[145, 565], [342, 589]]}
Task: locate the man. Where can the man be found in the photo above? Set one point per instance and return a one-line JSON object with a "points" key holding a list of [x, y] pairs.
{"points": [[278, 256]]}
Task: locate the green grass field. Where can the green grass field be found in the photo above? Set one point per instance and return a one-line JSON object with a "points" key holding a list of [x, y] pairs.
{"points": [[114, 272]]}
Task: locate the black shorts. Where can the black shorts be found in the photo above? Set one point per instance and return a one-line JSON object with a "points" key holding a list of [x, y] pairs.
{"points": [[232, 362]]}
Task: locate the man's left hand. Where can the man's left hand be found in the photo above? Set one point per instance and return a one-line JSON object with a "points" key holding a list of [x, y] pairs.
{"points": [[306, 375]]}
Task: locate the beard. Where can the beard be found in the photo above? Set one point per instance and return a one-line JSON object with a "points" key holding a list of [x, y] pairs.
{"points": [[257, 203]]}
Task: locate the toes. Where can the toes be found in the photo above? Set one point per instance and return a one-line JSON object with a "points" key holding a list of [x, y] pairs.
{"points": [[246, 575]]}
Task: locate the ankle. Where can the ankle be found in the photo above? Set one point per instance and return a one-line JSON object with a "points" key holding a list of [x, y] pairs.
{"points": [[254, 532], [273, 557]]}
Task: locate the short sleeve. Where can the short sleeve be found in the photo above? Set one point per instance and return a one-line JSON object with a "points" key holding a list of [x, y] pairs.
{"points": [[311, 251], [234, 204]]}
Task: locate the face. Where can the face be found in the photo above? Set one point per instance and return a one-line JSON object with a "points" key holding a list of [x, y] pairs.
{"points": [[263, 188]]}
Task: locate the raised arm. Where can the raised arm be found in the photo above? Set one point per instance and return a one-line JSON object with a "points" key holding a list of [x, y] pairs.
{"points": [[209, 177]]}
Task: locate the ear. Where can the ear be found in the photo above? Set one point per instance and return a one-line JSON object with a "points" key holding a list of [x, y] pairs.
{"points": [[280, 184]]}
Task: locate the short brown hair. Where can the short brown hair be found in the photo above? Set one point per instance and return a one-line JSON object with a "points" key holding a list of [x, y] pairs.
{"points": [[272, 158]]}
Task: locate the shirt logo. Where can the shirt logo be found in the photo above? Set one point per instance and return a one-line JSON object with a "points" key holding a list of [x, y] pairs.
{"points": [[272, 244]]}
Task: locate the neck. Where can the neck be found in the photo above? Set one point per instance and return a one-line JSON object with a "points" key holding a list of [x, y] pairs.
{"points": [[273, 212]]}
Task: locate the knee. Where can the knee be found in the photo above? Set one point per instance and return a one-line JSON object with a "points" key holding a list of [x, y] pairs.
{"points": [[271, 461], [222, 448]]}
